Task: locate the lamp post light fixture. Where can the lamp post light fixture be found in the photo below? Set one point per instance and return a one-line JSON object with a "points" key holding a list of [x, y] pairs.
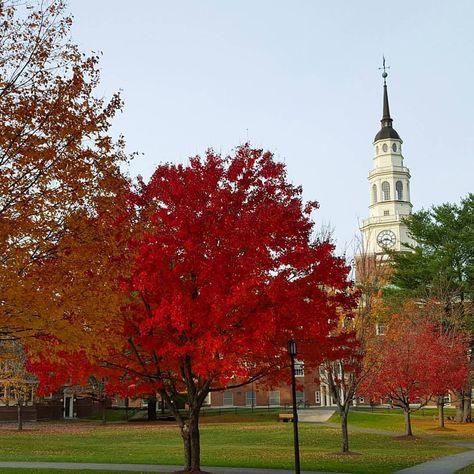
{"points": [[292, 353]]}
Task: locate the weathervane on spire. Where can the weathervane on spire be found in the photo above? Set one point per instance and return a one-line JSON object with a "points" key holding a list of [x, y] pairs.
{"points": [[384, 74]]}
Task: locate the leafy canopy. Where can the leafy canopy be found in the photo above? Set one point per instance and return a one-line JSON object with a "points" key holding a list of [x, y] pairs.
{"points": [[225, 274]]}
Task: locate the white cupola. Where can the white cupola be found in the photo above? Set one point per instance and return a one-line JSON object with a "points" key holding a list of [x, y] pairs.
{"points": [[389, 189]]}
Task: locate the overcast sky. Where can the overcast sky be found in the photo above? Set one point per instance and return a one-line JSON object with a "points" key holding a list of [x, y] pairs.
{"points": [[297, 77]]}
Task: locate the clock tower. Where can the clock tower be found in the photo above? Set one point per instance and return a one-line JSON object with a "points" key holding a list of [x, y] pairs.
{"points": [[389, 189]]}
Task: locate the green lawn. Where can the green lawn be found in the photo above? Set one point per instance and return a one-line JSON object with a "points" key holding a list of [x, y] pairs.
{"points": [[424, 423], [259, 443], [466, 470], [67, 471], [113, 415]]}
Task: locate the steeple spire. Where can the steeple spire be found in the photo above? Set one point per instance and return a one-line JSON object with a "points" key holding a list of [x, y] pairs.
{"points": [[386, 131], [386, 119]]}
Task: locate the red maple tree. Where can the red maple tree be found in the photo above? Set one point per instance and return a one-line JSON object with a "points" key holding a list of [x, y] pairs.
{"points": [[225, 274], [415, 364], [451, 371]]}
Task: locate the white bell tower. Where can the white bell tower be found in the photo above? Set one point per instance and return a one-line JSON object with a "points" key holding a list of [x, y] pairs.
{"points": [[389, 188]]}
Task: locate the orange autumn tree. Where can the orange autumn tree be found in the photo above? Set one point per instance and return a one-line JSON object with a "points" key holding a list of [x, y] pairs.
{"points": [[351, 360], [17, 384], [59, 179]]}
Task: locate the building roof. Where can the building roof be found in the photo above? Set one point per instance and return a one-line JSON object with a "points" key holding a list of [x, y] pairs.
{"points": [[387, 131]]}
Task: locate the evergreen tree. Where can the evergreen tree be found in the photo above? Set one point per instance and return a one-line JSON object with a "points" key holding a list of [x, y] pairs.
{"points": [[440, 267]]}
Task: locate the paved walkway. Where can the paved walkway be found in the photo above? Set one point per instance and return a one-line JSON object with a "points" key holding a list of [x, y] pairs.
{"points": [[446, 465], [361, 429], [145, 468], [315, 415]]}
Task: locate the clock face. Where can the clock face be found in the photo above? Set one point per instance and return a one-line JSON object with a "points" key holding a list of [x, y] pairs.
{"points": [[386, 239]]}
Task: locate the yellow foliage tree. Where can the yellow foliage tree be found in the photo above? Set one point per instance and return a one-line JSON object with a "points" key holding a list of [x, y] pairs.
{"points": [[60, 182]]}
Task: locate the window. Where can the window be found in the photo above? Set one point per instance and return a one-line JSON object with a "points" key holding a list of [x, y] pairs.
{"points": [[207, 400], [274, 398], [380, 329], [317, 396], [385, 147], [394, 147], [385, 191], [374, 193], [399, 190], [250, 398], [386, 213], [299, 369], [299, 398], [228, 398]]}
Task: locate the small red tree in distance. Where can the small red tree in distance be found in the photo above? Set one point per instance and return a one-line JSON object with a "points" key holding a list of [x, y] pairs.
{"points": [[451, 371], [225, 274], [415, 363]]}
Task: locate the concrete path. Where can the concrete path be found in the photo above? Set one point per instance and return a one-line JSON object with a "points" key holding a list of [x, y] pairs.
{"points": [[446, 465], [360, 429], [145, 468], [315, 415]]}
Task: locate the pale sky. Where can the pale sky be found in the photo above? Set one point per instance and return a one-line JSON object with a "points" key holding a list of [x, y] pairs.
{"points": [[297, 77]]}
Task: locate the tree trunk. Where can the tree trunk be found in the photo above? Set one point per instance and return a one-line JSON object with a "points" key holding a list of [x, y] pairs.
{"points": [[441, 412], [195, 443], [406, 413], [190, 433], [345, 434], [192, 443], [151, 409], [467, 416], [459, 406], [187, 446], [20, 417], [104, 411]]}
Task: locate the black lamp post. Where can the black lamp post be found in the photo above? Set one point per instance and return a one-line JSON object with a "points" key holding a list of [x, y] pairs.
{"points": [[292, 354]]}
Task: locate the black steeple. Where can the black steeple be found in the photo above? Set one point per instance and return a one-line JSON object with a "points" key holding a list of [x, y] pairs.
{"points": [[387, 131]]}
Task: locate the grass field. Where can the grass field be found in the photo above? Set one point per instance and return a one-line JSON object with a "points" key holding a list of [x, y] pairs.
{"points": [[242, 440], [467, 470], [68, 471], [423, 423]]}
